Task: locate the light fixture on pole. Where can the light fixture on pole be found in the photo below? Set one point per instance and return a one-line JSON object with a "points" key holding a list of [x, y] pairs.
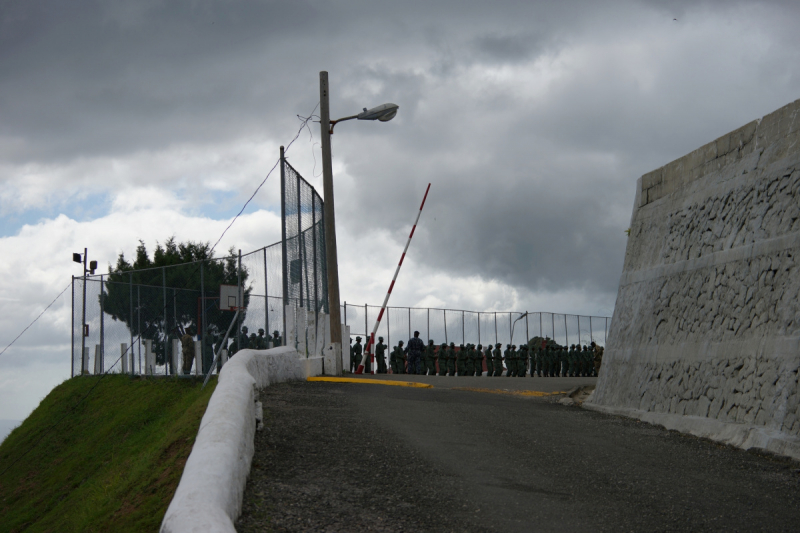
{"points": [[88, 267], [523, 315], [383, 113]]}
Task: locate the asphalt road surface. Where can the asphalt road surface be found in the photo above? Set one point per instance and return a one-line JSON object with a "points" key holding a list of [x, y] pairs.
{"points": [[366, 457]]}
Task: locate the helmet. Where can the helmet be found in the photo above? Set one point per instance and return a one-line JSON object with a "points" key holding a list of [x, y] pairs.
{"points": [[260, 331], [358, 339], [380, 339]]}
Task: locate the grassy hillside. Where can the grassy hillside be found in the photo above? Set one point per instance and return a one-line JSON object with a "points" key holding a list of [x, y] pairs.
{"points": [[110, 464]]}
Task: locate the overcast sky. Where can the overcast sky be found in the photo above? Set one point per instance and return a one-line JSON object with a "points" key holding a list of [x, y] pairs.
{"points": [[123, 120]]}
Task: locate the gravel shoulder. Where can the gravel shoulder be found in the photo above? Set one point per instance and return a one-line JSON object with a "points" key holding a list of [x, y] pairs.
{"points": [[363, 457]]}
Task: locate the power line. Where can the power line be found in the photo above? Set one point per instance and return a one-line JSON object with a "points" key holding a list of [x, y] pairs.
{"points": [[304, 124], [35, 319]]}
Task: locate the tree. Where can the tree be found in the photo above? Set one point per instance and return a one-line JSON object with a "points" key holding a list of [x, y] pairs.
{"points": [[135, 293]]}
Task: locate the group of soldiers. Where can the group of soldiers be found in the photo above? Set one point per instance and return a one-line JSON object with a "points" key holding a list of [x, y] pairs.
{"points": [[252, 342], [537, 358]]}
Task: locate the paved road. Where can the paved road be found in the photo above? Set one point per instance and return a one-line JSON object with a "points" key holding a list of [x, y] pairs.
{"points": [[365, 457]]}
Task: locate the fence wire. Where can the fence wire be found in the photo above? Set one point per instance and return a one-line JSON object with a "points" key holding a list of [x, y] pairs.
{"points": [[474, 327]]}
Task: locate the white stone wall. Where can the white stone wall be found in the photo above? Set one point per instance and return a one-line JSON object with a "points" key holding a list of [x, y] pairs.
{"points": [[707, 319]]}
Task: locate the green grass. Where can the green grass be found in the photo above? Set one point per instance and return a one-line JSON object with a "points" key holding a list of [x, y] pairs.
{"points": [[111, 464]]}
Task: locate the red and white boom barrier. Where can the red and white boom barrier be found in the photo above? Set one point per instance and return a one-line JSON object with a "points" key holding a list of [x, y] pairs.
{"points": [[371, 339]]}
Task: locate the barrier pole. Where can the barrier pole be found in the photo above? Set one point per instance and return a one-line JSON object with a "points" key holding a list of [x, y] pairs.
{"points": [[371, 339]]}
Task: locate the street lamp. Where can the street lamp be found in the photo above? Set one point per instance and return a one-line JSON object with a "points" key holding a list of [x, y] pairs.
{"points": [[90, 268], [523, 315], [383, 113]]}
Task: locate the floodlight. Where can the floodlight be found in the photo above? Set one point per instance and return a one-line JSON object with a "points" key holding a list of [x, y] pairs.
{"points": [[92, 266], [77, 258], [384, 113]]}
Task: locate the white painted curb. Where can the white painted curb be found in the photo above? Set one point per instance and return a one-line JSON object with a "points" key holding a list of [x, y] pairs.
{"points": [[209, 495]]}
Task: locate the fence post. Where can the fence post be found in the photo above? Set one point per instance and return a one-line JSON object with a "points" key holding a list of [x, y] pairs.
{"points": [[388, 330], [553, 322], [479, 327], [284, 256], [167, 329], [72, 330], [541, 333], [240, 300], [130, 286], [510, 329], [566, 335], [300, 247], [463, 324], [139, 322], [444, 313], [366, 324], [429, 324], [605, 333], [102, 325], [579, 329], [314, 255], [266, 297], [495, 327], [591, 335], [409, 323], [202, 337]]}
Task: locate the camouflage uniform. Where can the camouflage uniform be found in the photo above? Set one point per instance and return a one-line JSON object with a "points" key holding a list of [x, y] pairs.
{"points": [[487, 357], [442, 358], [451, 359], [187, 347], [415, 349], [380, 356], [498, 360], [522, 365], [430, 359]]}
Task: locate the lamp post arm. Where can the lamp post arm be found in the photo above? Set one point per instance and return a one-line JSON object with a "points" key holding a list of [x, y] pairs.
{"points": [[334, 122]]}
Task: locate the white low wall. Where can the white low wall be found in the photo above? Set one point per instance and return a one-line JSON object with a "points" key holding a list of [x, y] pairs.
{"points": [[209, 495]]}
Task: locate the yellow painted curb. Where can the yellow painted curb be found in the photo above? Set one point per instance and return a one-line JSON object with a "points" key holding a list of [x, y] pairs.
{"points": [[373, 382], [534, 393]]}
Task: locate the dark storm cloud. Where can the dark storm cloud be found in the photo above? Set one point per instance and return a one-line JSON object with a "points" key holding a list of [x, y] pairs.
{"points": [[533, 164]]}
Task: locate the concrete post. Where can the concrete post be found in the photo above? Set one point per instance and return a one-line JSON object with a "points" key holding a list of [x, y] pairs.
{"points": [[98, 360], [176, 356], [198, 358], [123, 349], [85, 361]]}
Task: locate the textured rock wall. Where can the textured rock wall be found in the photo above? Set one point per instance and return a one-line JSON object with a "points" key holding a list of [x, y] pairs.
{"points": [[707, 319]]}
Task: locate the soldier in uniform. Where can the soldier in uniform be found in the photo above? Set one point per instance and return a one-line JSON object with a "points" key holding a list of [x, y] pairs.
{"points": [[415, 349], [451, 360], [522, 366], [401, 358], [244, 339], [508, 359], [187, 347], [352, 356], [442, 358], [276, 339], [598, 359], [358, 351], [393, 360], [252, 342], [380, 356], [586, 359], [487, 356], [461, 360], [477, 360], [498, 360], [430, 359], [262, 341]]}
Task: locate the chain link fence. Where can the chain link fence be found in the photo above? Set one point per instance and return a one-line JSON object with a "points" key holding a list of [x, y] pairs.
{"points": [[462, 327], [131, 319]]}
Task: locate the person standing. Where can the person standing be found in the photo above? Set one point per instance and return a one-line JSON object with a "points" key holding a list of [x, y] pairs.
{"points": [[380, 356], [415, 349], [451, 360], [187, 347], [487, 357], [430, 359], [442, 359], [498, 360]]}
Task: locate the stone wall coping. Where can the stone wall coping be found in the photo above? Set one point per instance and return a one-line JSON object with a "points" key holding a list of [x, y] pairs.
{"points": [[209, 495]]}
